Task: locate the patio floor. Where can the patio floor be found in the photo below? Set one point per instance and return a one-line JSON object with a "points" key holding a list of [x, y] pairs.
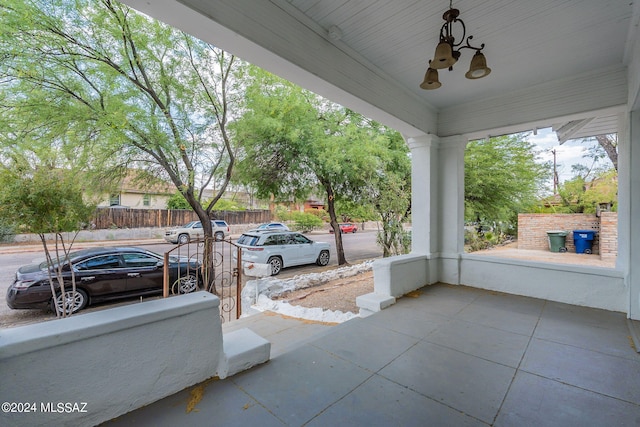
{"points": [[448, 356]]}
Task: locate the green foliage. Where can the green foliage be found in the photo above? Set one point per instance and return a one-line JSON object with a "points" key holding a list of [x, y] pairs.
{"points": [[282, 213], [320, 213], [43, 200], [227, 205], [477, 241], [392, 206], [503, 176], [579, 196], [177, 201], [362, 211], [7, 231], [305, 222], [103, 85], [394, 240], [295, 142]]}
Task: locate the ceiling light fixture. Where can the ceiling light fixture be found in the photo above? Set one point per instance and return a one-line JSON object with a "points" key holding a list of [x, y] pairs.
{"points": [[448, 52]]}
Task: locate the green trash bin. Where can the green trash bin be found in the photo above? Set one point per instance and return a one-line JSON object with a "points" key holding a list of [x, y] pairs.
{"points": [[557, 240]]}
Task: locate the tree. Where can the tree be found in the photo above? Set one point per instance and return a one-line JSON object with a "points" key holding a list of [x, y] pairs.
{"points": [[295, 142], [141, 94], [44, 201], [502, 177], [581, 195], [609, 144], [177, 201], [392, 205]]}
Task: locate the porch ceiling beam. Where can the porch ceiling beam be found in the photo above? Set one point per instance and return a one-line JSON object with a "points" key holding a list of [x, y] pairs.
{"points": [[566, 131]]}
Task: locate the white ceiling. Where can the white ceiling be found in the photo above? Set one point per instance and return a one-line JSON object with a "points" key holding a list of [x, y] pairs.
{"points": [[527, 42]]}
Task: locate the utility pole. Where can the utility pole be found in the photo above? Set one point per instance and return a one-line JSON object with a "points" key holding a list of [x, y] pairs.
{"points": [[555, 173]]}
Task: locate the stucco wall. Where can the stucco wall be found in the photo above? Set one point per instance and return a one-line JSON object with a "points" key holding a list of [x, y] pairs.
{"points": [[109, 362], [577, 285]]}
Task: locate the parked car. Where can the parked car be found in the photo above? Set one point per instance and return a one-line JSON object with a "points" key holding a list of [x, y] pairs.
{"points": [[346, 227], [102, 274], [194, 230], [282, 249], [275, 226]]}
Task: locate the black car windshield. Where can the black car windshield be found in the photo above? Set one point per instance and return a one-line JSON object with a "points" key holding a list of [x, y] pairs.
{"points": [[63, 259]]}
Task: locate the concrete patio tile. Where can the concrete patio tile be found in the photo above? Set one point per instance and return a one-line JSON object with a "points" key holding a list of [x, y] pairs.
{"points": [[298, 385], [588, 328], [291, 338], [412, 322], [380, 402], [535, 401], [284, 333], [366, 345], [503, 311], [466, 383], [275, 324], [602, 373], [221, 401], [445, 300], [482, 341]]}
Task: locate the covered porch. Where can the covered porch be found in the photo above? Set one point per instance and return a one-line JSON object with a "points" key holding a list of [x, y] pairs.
{"points": [[445, 355], [572, 66], [486, 342]]}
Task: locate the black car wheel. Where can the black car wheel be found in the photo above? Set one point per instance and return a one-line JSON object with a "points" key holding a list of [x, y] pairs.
{"points": [[72, 302], [276, 265], [219, 235], [323, 258], [185, 285], [183, 239]]}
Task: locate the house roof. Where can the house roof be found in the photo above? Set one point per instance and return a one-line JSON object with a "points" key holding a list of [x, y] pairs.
{"points": [[142, 183]]}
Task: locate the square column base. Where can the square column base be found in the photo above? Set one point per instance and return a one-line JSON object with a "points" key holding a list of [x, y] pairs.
{"points": [[373, 302]]}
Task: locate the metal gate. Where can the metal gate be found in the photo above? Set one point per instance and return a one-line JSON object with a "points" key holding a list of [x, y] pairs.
{"points": [[218, 271]]}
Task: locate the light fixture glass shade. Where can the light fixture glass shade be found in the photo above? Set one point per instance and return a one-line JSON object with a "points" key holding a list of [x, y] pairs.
{"points": [[430, 80], [443, 57], [478, 68]]}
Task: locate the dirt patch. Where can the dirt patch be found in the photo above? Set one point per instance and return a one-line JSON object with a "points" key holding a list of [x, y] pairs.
{"points": [[335, 295]]}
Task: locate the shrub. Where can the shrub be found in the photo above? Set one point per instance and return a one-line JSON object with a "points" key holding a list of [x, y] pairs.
{"points": [[7, 232], [305, 222]]}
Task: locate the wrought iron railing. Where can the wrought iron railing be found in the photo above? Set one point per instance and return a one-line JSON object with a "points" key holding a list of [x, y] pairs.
{"points": [[218, 271]]}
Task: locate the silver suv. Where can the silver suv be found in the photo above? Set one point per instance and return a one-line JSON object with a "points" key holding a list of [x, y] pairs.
{"points": [[194, 230], [282, 249]]}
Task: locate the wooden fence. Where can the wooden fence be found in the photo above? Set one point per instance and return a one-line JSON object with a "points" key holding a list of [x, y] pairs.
{"points": [[140, 218]]}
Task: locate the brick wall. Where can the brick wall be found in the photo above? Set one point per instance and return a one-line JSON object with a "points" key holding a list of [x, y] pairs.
{"points": [[608, 235], [532, 230]]}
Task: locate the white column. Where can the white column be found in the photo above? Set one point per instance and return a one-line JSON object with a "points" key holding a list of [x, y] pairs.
{"points": [[633, 192], [423, 193], [451, 191], [450, 207]]}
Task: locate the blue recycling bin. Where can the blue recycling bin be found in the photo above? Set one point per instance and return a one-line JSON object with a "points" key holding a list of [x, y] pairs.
{"points": [[583, 240]]}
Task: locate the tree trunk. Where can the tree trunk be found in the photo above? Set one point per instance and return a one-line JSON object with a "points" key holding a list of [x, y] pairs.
{"points": [[610, 146], [207, 255], [331, 208]]}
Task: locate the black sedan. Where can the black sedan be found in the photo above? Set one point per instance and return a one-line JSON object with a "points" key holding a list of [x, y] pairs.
{"points": [[101, 274]]}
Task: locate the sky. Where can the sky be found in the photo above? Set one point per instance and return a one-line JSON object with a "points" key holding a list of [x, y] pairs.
{"points": [[567, 154]]}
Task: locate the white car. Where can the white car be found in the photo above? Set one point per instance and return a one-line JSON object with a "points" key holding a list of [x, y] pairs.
{"points": [[194, 230], [282, 249], [274, 226]]}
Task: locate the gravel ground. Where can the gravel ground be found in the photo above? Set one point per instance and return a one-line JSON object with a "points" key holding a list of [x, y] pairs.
{"points": [[337, 295]]}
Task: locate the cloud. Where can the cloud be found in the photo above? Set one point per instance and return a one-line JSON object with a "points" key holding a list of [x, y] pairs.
{"points": [[567, 154]]}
